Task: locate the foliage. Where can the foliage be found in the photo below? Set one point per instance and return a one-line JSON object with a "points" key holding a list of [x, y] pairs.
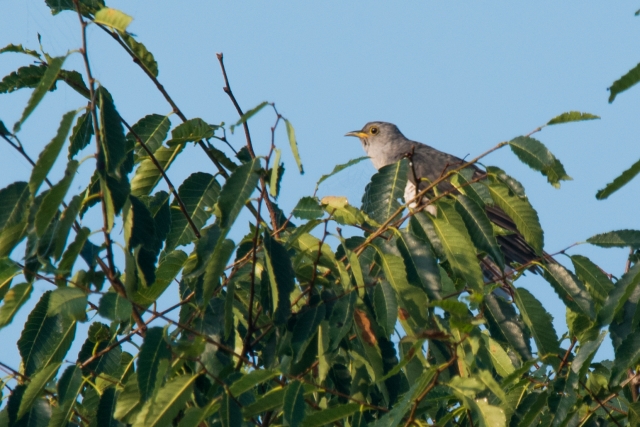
{"points": [[292, 324]]}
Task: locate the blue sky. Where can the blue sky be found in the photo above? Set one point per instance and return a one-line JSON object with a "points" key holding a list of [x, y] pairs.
{"points": [[461, 77]]}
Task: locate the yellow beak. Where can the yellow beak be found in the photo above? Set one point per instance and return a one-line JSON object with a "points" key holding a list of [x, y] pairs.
{"points": [[357, 133]]}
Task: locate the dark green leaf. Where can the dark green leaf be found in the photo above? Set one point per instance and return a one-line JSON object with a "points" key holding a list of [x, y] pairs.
{"points": [[35, 388], [49, 206], [140, 229], [572, 116], [598, 283], [50, 153], [81, 134], [571, 290], [106, 409], [281, 277], [540, 323], [339, 168], [380, 199], [190, 131], [478, 192], [114, 307], [111, 132], [419, 261], [534, 154], [294, 405], [616, 239], [386, 306], [69, 387], [250, 380], [151, 130], [305, 329], [506, 325], [167, 404], [73, 250], [620, 181], [46, 83], [246, 116], [86, 6], [19, 49], [625, 82], [68, 302], [128, 405], [38, 416], [215, 267], [44, 339], [236, 192], [112, 18], [498, 175], [75, 81], [13, 300], [154, 349], [268, 401], [140, 51], [619, 296], [23, 77], [479, 227], [341, 319], [168, 269], [147, 175], [308, 208], [293, 143], [521, 212], [64, 225], [14, 202], [328, 416], [230, 414]]}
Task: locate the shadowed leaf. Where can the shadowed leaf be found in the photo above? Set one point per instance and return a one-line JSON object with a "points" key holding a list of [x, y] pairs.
{"points": [[146, 58], [534, 154], [540, 323], [616, 239], [620, 181], [236, 192], [339, 168], [380, 199]]}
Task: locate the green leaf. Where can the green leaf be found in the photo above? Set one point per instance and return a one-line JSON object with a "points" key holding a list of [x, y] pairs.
{"points": [[69, 387], [308, 208], [330, 415], [199, 193], [154, 349], [275, 173], [521, 212], [572, 116], [341, 319], [140, 51], [598, 284], [458, 247], [64, 225], [386, 306], [246, 116], [620, 181], [281, 278], [586, 353], [19, 49], [114, 145], [112, 18], [147, 175], [81, 134], [53, 199], [13, 301], [479, 227], [478, 192], [250, 380], [488, 415], [75, 82], [8, 270], [23, 77], [114, 307], [419, 261], [215, 267], [380, 199], [151, 130], [168, 269], [540, 323], [506, 326], [128, 405], [46, 83], [86, 6], [616, 239], [571, 290], [305, 328], [498, 175], [71, 254], [106, 408], [68, 302], [293, 143], [532, 416], [190, 131], [534, 154], [230, 414], [625, 82], [35, 388], [236, 192], [38, 416], [619, 296], [44, 339], [50, 153], [14, 202], [167, 404], [294, 405], [337, 169], [270, 400], [499, 357]]}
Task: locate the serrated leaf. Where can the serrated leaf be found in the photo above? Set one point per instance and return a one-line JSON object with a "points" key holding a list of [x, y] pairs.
{"points": [[250, 380], [506, 325], [281, 278], [380, 199], [147, 175], [386, 306], [572, 116], [293, 143], [625, 82], [236, 192], [46, 82], [619, 182], [68, 302], [111, 132], [23, 77], [571, 290], [246, 116], [499, 357], [270, 400], [75, 82], [293, 405], [44, 339], [140, 51], [49, 154], [128, 404], [330, 415], [13, 301], [51, 202], [152, 131], [464, 182], [498, 175], [74, 249], [114, 307], [69, 387], [19, 49], [167, 270], [598, 284], [540, 323], [619, 296], [64, 225], [106, 408], [616, 239], [14, 202], [521, 212], [86, 6], [534, 154], [154, 349], [35, 388], [190, 131], [308, 208], [341, 319], [167, 404], [215, 267], [305, 328], [339, 168], [479, 228], [112, 18], [420, 263]]}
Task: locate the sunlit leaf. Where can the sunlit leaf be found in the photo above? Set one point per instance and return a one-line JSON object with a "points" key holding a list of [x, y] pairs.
{"points": [[534, 154], [190, 131], [571, 290], [619, 182], [616, 239], [293, 143], [625, 82], [540, 323], [236, 192], [308, 208], [572, 116], [23, 77], [147, 175], [112, 18], [142, 54], [330, 415], [168, 402]]}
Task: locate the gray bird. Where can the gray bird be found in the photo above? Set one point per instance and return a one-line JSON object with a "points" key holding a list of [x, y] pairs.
{"points": [[385, 145]]}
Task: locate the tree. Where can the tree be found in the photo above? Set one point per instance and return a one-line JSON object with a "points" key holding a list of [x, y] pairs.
{"points": [[394, 325]]}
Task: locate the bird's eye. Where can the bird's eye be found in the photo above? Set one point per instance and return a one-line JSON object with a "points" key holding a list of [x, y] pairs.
{"points": [[373, 130]]}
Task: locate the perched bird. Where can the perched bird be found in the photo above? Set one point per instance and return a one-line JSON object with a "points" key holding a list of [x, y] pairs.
{"points": [[385, 145]]}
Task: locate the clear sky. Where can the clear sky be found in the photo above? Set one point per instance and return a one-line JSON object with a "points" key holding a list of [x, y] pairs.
{"points": [[460, 76]]}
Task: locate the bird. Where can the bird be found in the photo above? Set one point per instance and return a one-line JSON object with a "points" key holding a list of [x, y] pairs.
{"points": [[385, 144]]}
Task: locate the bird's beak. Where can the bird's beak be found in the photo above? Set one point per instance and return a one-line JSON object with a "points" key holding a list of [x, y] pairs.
{"points": [[356, 133]]}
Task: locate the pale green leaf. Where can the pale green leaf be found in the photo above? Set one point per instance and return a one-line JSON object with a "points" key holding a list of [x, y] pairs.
{"points": [[112, 18], [293, 143]]}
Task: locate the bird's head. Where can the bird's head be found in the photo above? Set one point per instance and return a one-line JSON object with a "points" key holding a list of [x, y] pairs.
{"points": [[377, 134]]}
